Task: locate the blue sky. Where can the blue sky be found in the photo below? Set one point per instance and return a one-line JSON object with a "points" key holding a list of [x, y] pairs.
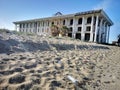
{"points": [[15, 10]]}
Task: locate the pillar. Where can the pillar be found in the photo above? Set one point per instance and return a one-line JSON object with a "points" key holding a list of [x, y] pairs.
{"points": [[106, 28], [108, 31], [33, 27], [74, 28], [104, 32], [83, 29], [96, 28], [37, 28], [100, 32], [91, 31], [25, 27], [15, 27], [66, 22]]}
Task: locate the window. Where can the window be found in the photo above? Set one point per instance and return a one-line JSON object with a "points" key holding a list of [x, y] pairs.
{"points": [[38, 24], [31, 25], [94, 20], [23, 25], [26, 25], [80, 21], [88, 20], [87, 37], [70, 29], [71, 22], [88, 28], [78, 36], [79, 29], [20, 26], [63, 22], [35, 24], [52, 23]]}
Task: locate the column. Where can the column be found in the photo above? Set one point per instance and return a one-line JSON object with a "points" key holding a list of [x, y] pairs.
{"points": [[104, 32], [108, 31], [100, 32], [25, 27], [29, 27], [16, 27], [37, 27], [91, 31], [21, 27], [74, 28], [106, 28], [96, 28], [83, 29], [33, 27], [66, 22]]}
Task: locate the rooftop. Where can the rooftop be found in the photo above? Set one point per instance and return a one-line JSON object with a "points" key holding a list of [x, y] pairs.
{"points": [[60, 15]]}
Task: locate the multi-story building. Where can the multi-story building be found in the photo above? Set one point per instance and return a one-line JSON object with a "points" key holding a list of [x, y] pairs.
{"points": [[93, 26]]}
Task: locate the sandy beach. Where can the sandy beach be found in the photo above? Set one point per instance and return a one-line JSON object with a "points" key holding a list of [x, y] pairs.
{"points": [[44, 63]]}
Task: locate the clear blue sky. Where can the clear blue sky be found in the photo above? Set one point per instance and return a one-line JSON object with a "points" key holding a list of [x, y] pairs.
{"points": [[15, 10]]}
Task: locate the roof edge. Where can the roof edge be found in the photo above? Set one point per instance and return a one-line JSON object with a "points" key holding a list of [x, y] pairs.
{"points": [[103, 12]]}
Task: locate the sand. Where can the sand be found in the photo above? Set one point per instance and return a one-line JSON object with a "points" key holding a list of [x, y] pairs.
{"points": [[44, 63]]}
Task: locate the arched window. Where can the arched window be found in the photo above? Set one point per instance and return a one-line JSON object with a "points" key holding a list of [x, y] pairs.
{"points": [[89, 20], [63, 22], [71, 22], [80, 21], [52, 23]]}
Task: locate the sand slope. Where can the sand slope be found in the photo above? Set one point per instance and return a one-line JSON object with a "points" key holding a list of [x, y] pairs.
{"points": [[43, 63]]}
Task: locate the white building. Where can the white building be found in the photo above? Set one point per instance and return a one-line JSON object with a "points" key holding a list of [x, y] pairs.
{"points": [[93, 26]]}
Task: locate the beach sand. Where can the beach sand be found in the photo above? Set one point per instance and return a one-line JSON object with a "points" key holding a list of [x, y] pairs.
{"points": [[44, 63]]}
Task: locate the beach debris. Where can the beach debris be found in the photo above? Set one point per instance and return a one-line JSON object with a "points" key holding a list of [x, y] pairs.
{"points": [[72, 79]]}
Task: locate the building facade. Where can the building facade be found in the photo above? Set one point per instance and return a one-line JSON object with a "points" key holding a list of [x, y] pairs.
{"points": [[93, 26]]}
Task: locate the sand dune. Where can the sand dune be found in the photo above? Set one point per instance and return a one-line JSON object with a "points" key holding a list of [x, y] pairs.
{"points": [[44, 63]]}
